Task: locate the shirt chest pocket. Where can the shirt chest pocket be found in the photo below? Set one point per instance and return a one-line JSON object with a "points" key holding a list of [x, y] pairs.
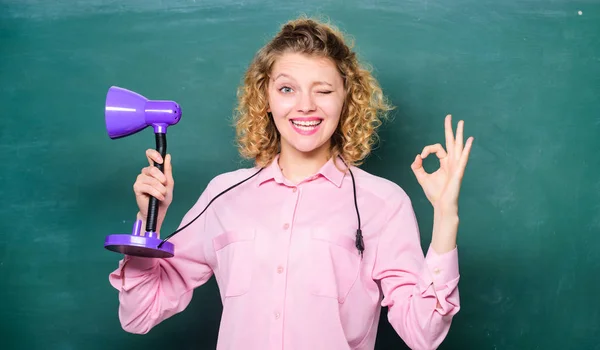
{"points": [[235, 255], [334, 264]]}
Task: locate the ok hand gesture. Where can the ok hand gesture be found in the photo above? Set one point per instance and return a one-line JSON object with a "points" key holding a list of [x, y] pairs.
{"points": [[442, 187]]}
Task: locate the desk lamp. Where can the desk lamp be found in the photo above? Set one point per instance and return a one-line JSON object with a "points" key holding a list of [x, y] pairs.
{"points": [[127, 113]]}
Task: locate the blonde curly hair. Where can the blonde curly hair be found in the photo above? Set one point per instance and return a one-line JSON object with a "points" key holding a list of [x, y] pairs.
{"points": [[364, 108]]}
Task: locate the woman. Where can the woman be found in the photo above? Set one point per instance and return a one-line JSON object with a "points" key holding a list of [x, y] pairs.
{"points": [[308, 249]]}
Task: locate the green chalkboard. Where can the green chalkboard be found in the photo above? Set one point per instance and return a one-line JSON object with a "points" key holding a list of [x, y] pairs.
{"points": [[524, 75]]}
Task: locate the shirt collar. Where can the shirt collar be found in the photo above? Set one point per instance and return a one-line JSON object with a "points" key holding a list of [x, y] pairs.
{"points": [[271, 172], [328, 171]]}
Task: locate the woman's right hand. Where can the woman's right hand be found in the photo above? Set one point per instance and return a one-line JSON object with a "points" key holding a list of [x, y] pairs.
{"points": [[152, 182]]}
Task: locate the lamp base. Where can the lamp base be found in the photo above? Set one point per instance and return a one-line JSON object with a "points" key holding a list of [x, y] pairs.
{"points": [[137, 245]]}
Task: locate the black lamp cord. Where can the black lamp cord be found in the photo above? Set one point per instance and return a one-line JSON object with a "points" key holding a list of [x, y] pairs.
{"points": [[209, 203], [359, 238], [360, 245]]}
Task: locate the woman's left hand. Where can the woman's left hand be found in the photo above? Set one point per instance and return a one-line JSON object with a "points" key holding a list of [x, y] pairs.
{"points": [[442, 187]]}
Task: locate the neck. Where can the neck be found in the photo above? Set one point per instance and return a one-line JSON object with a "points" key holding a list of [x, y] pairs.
{"points": [[297, 166]]}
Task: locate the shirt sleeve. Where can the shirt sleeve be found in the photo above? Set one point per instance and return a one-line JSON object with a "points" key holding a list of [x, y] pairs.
{"points": [[421, 293], [154, 289]]}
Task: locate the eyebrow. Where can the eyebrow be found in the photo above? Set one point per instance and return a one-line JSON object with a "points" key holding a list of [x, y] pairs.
{"points": [[320, 82]]}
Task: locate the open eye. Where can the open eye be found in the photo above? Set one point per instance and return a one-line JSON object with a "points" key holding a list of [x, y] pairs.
{"points": [[286, 90]]}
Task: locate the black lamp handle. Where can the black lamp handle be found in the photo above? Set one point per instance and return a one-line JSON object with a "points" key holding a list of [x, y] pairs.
{"points": [[161, 147]]}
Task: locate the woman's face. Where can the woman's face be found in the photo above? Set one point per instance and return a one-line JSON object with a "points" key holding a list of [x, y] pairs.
{"points": [[306, 97]]}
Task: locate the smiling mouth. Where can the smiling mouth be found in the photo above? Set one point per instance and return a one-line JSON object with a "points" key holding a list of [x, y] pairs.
{"points": [[306, 124]]}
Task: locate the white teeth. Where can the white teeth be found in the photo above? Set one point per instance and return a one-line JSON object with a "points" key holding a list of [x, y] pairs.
{"points": [[311, 123]]}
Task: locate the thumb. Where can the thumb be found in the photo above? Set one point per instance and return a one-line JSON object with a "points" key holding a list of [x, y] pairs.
{"points": [[169, 170], [417, 168]]}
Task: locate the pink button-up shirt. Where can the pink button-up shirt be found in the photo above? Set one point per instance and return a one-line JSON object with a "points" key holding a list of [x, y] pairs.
{"points": [[289, 274]]}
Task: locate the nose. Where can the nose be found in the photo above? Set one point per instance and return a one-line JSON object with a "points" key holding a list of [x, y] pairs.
{"points": [[306, 103]]}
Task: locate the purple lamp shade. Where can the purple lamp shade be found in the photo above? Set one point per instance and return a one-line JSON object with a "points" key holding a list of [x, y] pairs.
{"points": [[127, 112]]}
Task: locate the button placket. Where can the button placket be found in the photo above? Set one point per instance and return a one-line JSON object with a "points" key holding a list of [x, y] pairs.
{"points": [[280, 259]]}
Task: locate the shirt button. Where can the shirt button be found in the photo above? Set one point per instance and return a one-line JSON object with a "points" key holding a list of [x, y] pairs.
{"points": [[280, 269], [436, 271], [277, 315], [294, 189], [286, 226]]}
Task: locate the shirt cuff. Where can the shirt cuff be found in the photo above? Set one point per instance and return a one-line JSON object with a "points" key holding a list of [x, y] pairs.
{"points": [[443, 268], [130, 267], [136, 266]]}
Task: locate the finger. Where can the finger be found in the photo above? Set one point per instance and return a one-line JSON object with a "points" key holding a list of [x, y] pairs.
{"points": [[458, 143], [148, 180], [154, 191], [417, 168], [153, 157], [168, 170], [464, 158], [449, 133], [154, 172], [437, 149]]}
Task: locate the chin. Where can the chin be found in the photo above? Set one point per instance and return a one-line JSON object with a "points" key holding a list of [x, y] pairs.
{"points": [[308, 148], [307, 144]]}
